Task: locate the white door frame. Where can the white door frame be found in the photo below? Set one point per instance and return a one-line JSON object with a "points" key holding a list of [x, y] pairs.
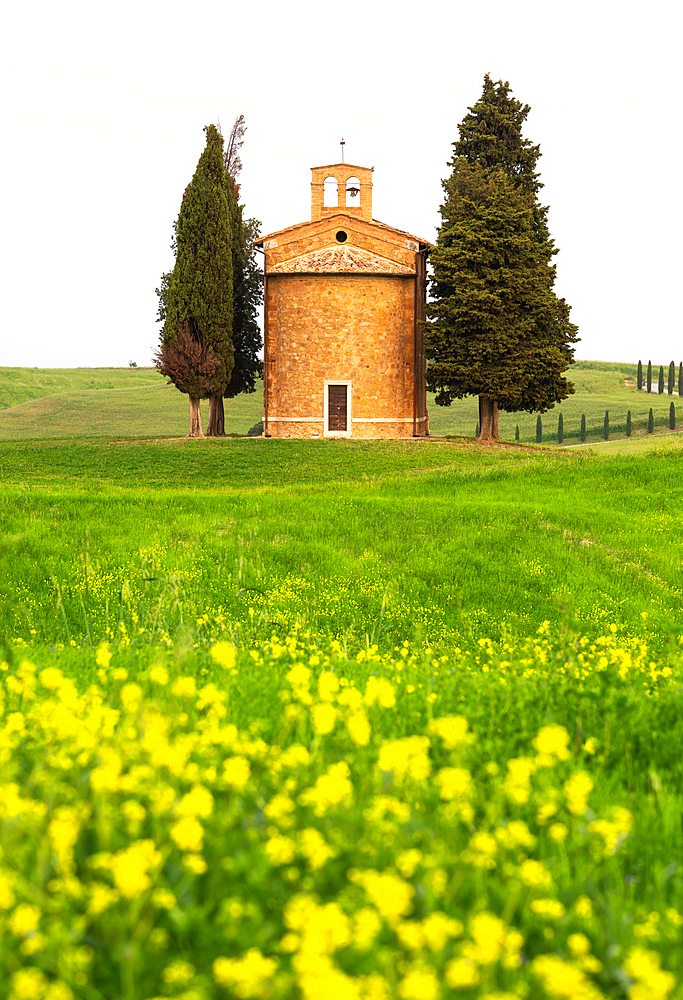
{"points": [[337, 381]]}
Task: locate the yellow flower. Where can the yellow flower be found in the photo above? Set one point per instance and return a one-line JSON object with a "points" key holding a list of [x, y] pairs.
{"points": [[184, 687], [535, 874], [452, 729], [358, 728], [564, 980], [366, 926], [159, 675], [328, 685], [391, 896], [131, 696], [453, 782], [314, 848], [553, 742], [194, 863], [25, 919], [380, 691], [280, 850], [517, 784], [578, 945], [408, 861], [236, 772], [249, 977], [198, 802], [224, 654], [614, 831], [6, 894], [651, 982], [558, 831], [330, 789], [576, 790], [481, 850], [131, 868], [408, 756], [188, 834], [28, 984], [438, 928], [462, 973], [103, 656], [591, 745], [420, 984], [324, 717], [515, 834], [178, 973], [551, 908]]}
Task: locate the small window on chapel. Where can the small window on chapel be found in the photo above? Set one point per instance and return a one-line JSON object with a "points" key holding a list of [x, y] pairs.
{"points": [[330, 193], [353, 193], [341, 236]]}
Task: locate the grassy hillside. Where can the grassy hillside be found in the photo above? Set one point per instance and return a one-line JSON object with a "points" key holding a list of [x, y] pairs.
{"points": [[135, 402], [372, 720]]}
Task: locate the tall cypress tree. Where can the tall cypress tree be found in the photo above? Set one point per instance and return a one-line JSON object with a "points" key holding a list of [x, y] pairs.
{"points": [[583, 428], [672, 416], [639, 376], [605, 432], [628, 424], [199, 297], [650, 422], [247, 282], [672, 379], [649, 376], [560, 429], [539, 429], [496, 328], [680, 380], [660, 381]]}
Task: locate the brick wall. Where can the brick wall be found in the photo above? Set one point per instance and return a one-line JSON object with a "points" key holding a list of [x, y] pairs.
{"points": [[327, 327]]}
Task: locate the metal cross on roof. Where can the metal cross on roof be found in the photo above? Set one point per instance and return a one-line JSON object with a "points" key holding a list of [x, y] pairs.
{"points": [[342, 144]]}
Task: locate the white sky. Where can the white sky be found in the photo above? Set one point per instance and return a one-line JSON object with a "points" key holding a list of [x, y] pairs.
{"points": [[102, 109]]}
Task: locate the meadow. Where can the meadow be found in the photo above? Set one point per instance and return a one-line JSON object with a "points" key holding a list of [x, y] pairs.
{"points": [[137, 403], [360, 720]]}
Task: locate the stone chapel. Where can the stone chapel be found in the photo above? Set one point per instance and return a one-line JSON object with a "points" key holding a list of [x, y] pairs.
{"points": [[343, 299]]}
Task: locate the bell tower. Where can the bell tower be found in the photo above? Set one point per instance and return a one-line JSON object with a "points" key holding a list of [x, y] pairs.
{"points": [[341, 189]]}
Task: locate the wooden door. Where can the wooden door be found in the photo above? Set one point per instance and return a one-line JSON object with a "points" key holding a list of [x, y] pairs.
{"points": [[336, 407]]}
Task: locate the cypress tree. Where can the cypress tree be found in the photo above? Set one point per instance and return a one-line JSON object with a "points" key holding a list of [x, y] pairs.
{"points": [[680, 380], [198, 305], [247, 280], [672, 379], [583, 428], [605, 432], [672, 416], [649, 376], [639, 376], [516, 432], [660, 382], [560, 429], [496, 328], [628, 424], [476, 430], [650, 422], [539, 429]]}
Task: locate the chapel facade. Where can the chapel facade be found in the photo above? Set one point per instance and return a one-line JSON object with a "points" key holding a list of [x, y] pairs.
{"points": [[344, 298]]}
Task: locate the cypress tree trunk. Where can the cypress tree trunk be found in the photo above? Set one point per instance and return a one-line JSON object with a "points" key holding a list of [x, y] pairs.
{"points": [[639, 377], [583, 428], [195, 418], [516, 432], [672, 416], [650, 422], [672, 379], [628, 424], [488, 419], [649, 376], [216, 425], [660, 382], [606, 426], [560, 429], [539, 430]]}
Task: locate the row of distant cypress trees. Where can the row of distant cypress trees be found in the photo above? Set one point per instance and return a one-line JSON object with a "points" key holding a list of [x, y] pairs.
{"points": [[606, 425], [671, 381]]}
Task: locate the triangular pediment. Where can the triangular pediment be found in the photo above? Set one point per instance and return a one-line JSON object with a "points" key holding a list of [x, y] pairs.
{"points": [[340, 259]]}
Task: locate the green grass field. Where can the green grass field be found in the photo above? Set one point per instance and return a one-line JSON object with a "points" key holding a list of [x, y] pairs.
{"points": [[293, 720], [135, 402]]}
